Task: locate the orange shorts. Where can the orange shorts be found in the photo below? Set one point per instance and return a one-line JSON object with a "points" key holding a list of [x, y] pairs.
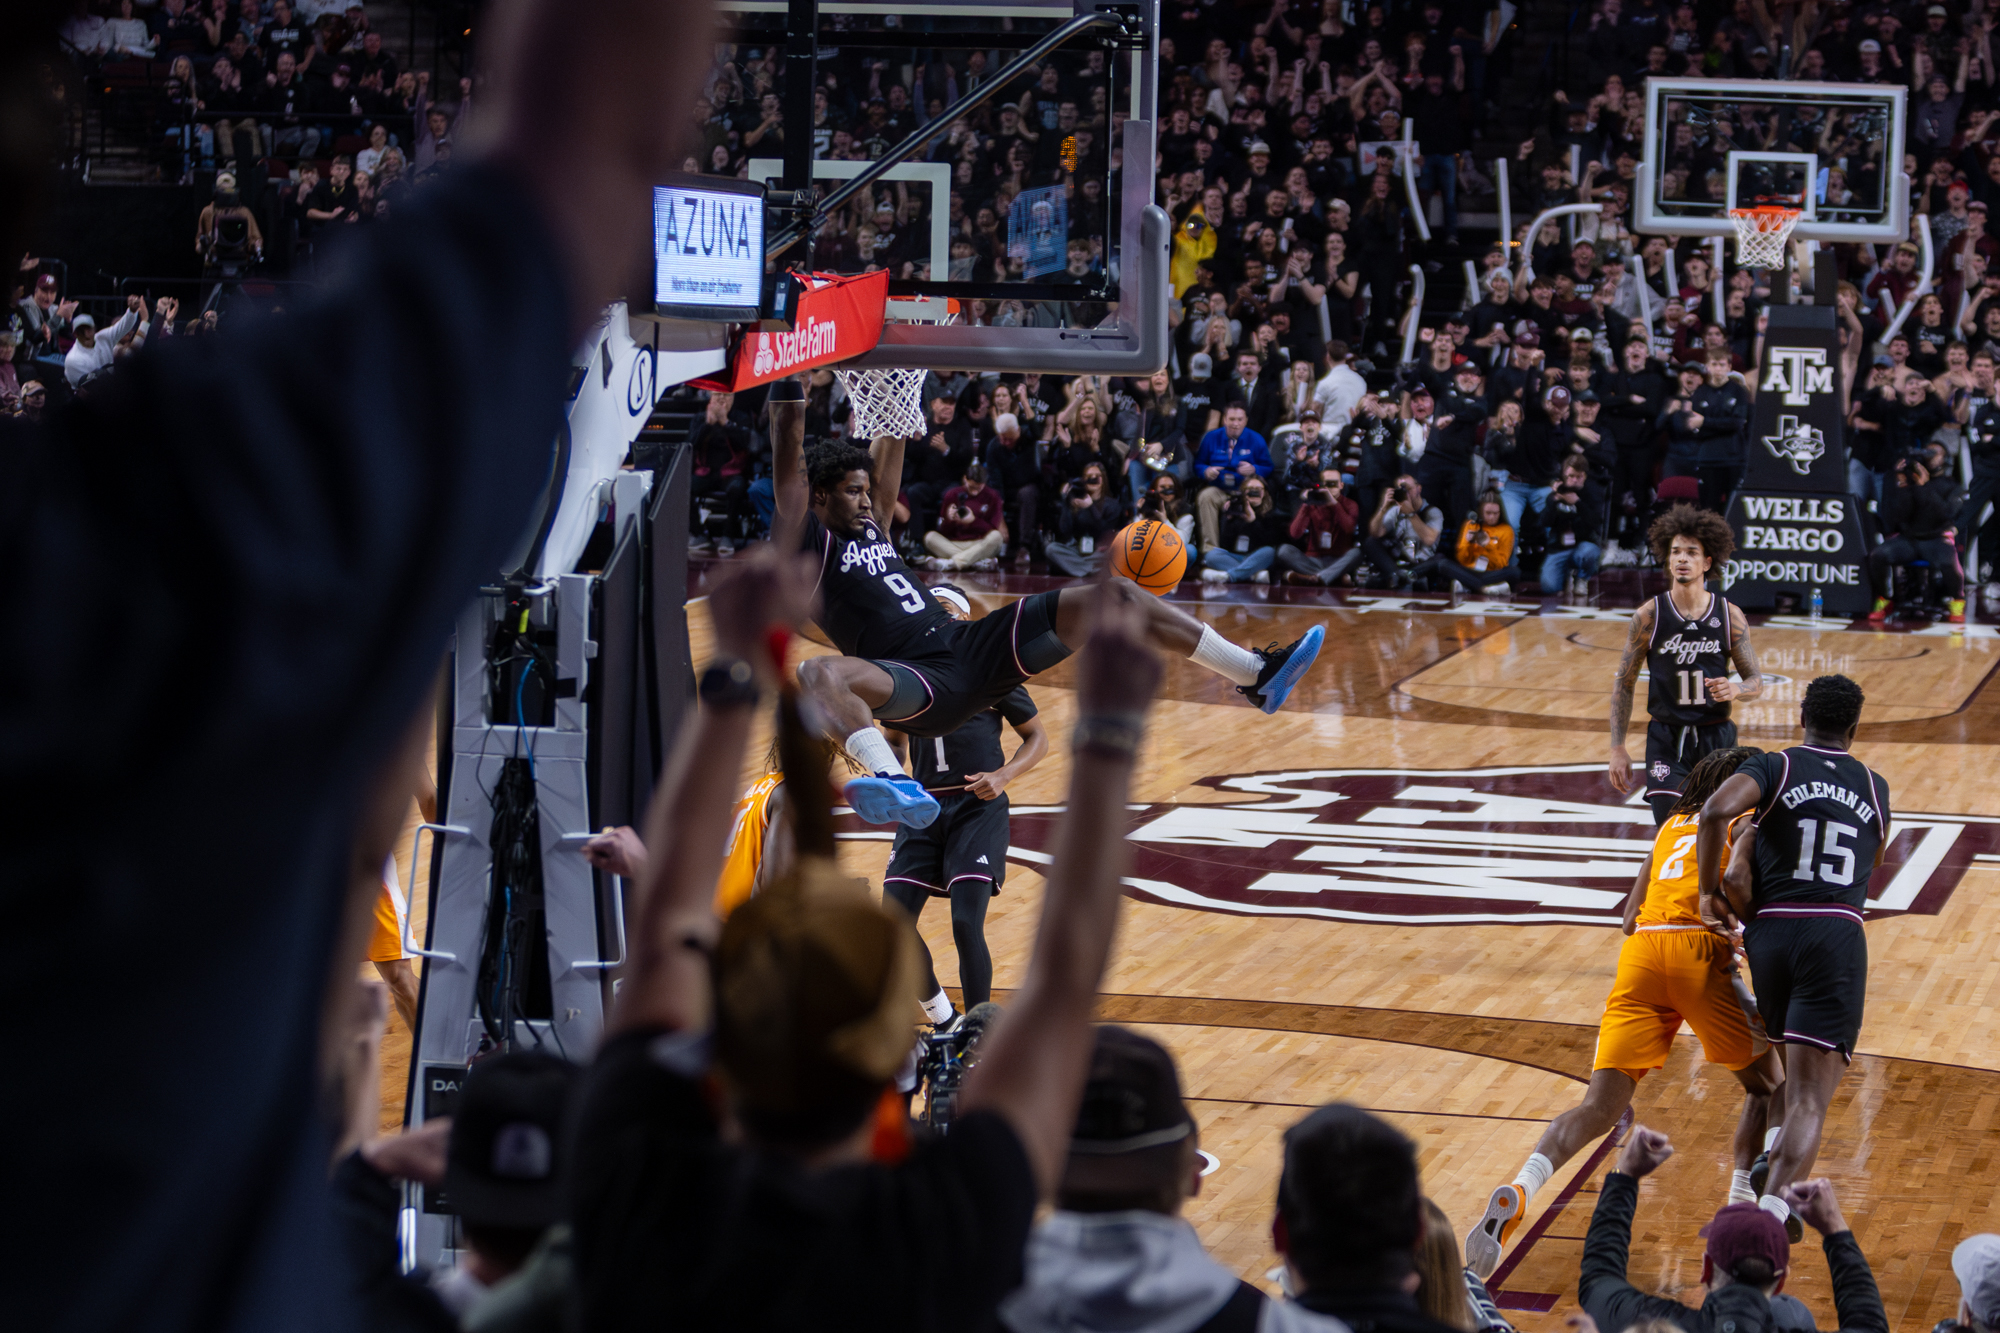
{"points": [[385, 938], [1665, 976]]}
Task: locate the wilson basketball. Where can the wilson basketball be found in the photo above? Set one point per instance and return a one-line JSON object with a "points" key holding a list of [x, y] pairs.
{"points": [[1152, 555]]}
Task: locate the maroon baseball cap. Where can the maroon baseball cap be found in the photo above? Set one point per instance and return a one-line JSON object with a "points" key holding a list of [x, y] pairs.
{"points": [[1745, 1231], [1526, 334], [46, 283], [1557, 396]]}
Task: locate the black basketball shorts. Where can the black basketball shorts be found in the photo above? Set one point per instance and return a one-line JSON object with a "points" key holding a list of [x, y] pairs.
{"points": [[977, 667], [1671, 752], [1809, 963], [967, 841]]}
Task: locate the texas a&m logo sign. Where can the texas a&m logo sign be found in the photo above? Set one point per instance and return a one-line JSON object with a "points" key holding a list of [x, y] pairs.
{"points": [[1797, 373], [1526, 846]]}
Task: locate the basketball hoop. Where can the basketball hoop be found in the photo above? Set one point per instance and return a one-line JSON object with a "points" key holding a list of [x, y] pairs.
{"points": [[1761, 234], [891, 401]]}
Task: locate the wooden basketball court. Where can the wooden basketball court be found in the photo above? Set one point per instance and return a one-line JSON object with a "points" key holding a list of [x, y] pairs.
{"points": [[1401, 892]]}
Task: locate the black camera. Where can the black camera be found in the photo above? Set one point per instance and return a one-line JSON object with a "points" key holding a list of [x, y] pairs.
{"points": [[1075, 489], [1402, 491], [1319, 495]]}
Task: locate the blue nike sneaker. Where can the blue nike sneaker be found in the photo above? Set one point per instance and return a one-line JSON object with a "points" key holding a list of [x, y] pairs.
{"points": [[1283, 668], [892, 801]]}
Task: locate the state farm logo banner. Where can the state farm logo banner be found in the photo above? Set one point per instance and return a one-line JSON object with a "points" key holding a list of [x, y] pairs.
{"points": [[1511, 846], [837, 320]]}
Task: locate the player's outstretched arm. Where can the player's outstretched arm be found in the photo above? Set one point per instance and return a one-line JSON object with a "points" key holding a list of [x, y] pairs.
{"points": [[1732, 798], [1618, 768], [885, 477], [1032, 1066], [1750, 681], [791, 487]]}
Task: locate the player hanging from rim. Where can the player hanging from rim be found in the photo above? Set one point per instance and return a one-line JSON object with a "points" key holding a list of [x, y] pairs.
{"points": [[962, 855], [1821, 824], [1670, 969], [906, 660], [1687, 638]]}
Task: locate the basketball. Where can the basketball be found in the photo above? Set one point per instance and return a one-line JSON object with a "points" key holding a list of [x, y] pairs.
{"points": [[1152, 555]]}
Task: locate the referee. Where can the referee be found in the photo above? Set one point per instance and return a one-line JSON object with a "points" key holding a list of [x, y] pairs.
{"points": [[962, 854], [1821, 824]]}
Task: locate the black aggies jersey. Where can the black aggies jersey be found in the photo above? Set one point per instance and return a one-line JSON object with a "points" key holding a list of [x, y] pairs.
{"points": [[943, 763], [1682, 655], [870, 606], [1820, 820]]}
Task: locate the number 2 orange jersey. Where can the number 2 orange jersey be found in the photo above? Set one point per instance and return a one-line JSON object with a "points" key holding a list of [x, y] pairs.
{"points": [[1673, 894]]}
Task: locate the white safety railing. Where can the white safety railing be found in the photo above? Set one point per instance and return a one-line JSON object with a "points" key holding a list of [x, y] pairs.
{"points": [[1471, 286], [1410, 178], [1717, 249], [1526, 272], [1923, 287], [410, 945], [1414, 315], [1500, 176]]}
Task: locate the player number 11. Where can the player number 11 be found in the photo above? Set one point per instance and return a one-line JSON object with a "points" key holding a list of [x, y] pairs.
{"points": [[1828, 871], [1691, 688]]}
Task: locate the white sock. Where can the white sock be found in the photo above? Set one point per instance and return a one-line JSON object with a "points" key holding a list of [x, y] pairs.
{"points": [[1239, 666], [938, 1007], [1775, 1206], [1771, 1136], [871, 747], [1534, 1175], [1739, 1188]]}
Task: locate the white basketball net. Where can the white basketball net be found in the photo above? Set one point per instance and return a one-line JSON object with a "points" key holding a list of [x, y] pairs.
{"points": [[885, 402], [891, 402], [1761, 234]]}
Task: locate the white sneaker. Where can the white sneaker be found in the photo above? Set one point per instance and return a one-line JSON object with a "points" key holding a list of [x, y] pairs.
{"points": [[989, 563], [1617, 557], [1261, 576], [1214, 576]]}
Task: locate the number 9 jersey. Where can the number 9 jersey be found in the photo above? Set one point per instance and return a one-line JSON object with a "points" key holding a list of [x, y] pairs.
{"points": [[1821, 818], [871, 607]]}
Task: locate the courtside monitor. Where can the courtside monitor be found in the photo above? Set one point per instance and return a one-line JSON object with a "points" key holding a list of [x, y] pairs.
{"points": [[708, 248], [1717, 144]]}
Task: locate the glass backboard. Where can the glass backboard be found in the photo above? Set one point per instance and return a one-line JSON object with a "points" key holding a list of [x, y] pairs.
{"points": [[1711, 140]]}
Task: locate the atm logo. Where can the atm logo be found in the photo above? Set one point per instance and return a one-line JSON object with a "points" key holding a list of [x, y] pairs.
{"points": [[1798, 373]]}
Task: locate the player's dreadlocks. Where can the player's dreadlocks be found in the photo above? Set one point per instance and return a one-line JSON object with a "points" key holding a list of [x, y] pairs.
{"points": [[1709, 774], [1704, 525], [1832, 705]]}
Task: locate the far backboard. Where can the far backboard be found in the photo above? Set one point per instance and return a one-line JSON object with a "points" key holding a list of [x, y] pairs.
{"points": [[1852, 132]]}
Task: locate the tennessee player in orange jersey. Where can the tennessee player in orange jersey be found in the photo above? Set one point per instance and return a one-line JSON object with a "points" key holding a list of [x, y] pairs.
{"points": [[1670, 968]]}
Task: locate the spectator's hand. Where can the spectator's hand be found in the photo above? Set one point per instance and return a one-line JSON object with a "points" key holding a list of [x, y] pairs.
{"points": [[937, 442], [1644, 1153], [137, 305], [1920, 473], [1562, 97], [1694, 420], [416, 1154], [65, 309], [465, 88], [618, 851], [1813, 1201], [1439, 423], [767, 591], [1118, 671], [1211, 473], [1247, 469], [423, 78], [271, 80]]}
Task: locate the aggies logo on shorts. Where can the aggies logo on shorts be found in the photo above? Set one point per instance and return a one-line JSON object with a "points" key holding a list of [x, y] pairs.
{"points": [[1445, 847], [1662, 770]]}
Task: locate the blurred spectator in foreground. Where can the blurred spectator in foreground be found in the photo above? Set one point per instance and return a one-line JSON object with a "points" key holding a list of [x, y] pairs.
{"points": [[1350, 1222], [794, 1194], [1976, 1265], [1116, 1256]]}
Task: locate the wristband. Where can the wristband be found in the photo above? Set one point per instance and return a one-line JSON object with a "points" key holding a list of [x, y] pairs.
{"points": [[729, 682], [1108, 735], [786, 390]]}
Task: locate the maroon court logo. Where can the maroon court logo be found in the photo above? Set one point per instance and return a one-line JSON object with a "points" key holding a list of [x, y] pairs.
{"points": [[1528, 846]]}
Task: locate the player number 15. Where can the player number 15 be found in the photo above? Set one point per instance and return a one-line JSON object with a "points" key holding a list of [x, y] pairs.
{"points": [[1830, 844]]}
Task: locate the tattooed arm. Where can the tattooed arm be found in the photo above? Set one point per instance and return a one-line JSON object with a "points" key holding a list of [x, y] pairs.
{"points": [[1744, 657], [1618, 768]]}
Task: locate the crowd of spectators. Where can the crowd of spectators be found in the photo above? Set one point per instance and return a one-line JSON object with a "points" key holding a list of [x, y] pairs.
{"points": [[1277, 160]]}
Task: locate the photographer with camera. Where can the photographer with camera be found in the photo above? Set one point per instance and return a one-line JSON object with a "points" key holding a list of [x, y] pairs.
{"points": [[1373, 439], [1251, 531], [1917, 513], [1088, 516], [1574, 521], [1309, 451], [1322, 532], [1485, 551], [1403, 533], [1229, 455], [1446, 467], [971, 530]]}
